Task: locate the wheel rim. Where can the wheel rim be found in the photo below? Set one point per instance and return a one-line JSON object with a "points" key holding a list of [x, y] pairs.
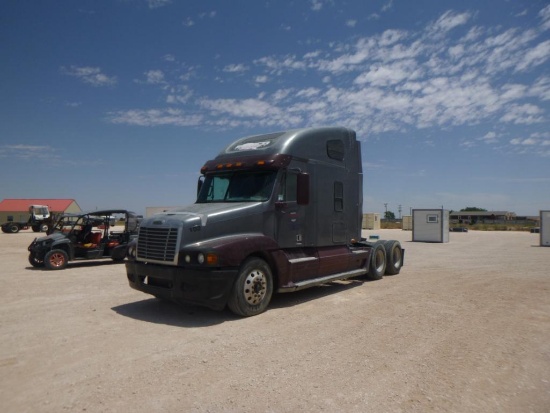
{"points": [[255, 287], [397, 257], [380, 260], [57, 260]]}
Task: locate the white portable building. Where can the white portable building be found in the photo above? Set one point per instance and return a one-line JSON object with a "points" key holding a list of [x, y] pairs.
{"points": [[545, 228], [430, 225], [371, 221]]}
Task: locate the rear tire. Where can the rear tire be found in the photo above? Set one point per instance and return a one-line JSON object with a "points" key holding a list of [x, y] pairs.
{"points": [[14, 229], [253, 288], [377, 264], [56, 260], [394, 257]]}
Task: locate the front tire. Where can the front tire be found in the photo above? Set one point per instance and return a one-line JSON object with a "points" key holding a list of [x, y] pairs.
{"points": [[35, 262], [253, 288], [56, 260]]}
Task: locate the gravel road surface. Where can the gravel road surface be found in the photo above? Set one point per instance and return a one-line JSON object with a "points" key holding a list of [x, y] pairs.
{"points": [[465, 327]]}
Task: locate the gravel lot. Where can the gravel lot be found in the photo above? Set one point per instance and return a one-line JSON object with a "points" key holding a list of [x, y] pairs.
{"points": [[465, 327]]}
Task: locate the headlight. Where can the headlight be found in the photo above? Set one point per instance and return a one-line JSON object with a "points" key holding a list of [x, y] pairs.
{"points": [[200, 258]]}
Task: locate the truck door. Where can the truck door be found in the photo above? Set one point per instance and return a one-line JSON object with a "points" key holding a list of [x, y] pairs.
{"points": [[290, 215]]}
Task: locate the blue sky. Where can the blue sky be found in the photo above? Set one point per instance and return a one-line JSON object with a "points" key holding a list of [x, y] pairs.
{"points": [[119, 103]]}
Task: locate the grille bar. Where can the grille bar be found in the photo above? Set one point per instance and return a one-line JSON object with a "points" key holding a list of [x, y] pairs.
{"points": [[157, 244]]}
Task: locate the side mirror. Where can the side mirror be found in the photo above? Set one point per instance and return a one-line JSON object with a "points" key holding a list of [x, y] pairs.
{"points": [[303, 189]]}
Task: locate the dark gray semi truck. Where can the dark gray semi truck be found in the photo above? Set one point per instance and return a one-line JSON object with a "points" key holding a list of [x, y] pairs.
{"points": [[274, 213]]}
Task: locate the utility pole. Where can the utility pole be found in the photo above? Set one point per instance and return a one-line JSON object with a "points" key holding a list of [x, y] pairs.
{"points": [[399, 209], [386, 213]]}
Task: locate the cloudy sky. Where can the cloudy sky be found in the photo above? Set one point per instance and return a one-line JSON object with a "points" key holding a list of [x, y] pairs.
{"points": [[118, 103]]}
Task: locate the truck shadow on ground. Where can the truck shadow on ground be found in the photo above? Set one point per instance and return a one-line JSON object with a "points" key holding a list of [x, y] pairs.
{"points": [[158, 311]]}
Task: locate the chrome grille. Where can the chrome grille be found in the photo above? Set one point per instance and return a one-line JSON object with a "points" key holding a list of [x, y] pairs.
{"points": [[157, 244]]}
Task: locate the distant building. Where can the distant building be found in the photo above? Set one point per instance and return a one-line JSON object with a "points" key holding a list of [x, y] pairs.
{"points": [[470, 217], [17, 210]]}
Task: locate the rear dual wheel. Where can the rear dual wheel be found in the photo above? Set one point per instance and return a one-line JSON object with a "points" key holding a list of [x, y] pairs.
{"points": [[377, 264], [394, 257]]}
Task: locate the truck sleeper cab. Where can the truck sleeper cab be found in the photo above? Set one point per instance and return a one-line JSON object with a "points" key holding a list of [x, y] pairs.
{"points": [[274, 213]]}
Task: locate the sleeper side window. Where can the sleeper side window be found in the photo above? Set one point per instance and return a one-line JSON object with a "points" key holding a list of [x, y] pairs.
{"points": [[335, 149]]}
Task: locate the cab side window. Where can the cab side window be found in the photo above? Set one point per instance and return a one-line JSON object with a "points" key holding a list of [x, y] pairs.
{"points": [[288, 188]]}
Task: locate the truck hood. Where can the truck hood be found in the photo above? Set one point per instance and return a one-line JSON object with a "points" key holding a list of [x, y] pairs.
{"points": [[201, 214]]}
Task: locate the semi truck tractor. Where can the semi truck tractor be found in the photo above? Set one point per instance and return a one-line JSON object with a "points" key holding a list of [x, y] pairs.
{"points": [[274, 213], [40, 219]]}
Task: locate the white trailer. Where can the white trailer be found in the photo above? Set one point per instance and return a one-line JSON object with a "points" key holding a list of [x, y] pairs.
{"points": [[545, 228], [430, 225]]}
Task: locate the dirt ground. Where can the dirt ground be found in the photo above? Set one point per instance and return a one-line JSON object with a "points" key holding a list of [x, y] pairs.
{"points": [[465, 327]]}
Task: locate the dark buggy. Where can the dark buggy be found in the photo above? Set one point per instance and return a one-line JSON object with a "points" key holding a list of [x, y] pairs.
{"points": [[86, 236]]}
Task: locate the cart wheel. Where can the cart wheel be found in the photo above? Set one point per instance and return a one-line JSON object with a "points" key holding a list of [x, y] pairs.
{"points": [[35, 262], [56, 260]]}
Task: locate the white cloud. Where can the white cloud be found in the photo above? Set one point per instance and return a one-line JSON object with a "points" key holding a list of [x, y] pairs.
{"points": [[519, 141], [90, 75], [316, 5], [391, 82], [535, 56], [351, 23], [27, 152], [489, 137], [154, 77], [523, 114], [449, 20], [235, 68], [154, 4], [155, 117], [544, 14]]}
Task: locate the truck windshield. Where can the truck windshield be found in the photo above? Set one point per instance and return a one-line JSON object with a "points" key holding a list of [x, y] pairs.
{"points": [[237, 187]]}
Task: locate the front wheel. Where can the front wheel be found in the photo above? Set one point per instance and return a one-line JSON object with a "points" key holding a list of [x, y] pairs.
{"points": [[253, 288], [34, 261], [56, 260]]}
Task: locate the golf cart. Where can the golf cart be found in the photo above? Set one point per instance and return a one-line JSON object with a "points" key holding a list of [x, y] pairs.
{"points": [[85, 236]]}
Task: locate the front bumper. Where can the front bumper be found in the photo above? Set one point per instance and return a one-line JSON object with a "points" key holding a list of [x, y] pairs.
{"points": [[209, 287]]}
